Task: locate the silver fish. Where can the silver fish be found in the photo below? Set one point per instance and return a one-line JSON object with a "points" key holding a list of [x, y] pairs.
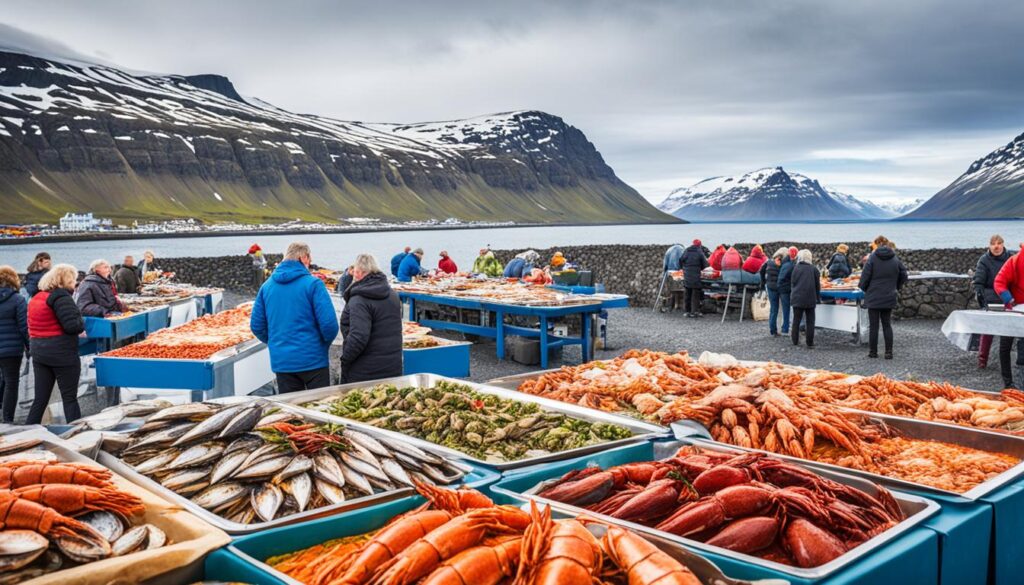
{"points": [[384, 486], [220, 494], [107, 524], [197, 455], [396, 472], [227, 465], [327, 468], [274, 418], [244, 516], [356, 480], [161, 437], [266, 500], [211, 425], [264, 469], [367, 469], [365, 454], [300, 464], [367, 442], [156, 537], [191, 489], [437, 476], [330, 492], [266, 451], [185, 478], [188, 410], [157, 461], [131, 541], [243, 422], [301, 488], [247, 443], [144, 407], [414, 452]]}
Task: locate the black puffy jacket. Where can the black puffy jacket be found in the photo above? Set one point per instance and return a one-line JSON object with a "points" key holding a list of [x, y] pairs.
{"points": [[786, 275], [371, 324], [13, 323], [692, 262], [806, 286], [839, 266], [770, 275], [883, 276], [985, 275], [96, 296]]}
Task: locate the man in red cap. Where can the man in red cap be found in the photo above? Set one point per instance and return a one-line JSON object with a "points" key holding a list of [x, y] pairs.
{"points": [[259, 266], [792, 252]]}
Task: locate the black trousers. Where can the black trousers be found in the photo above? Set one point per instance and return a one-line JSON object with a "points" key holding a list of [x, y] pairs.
{"points": [[799, 314], [10, 374], [1005, 367], [66, 378], [694, 297], [874, 317], [298, 381]]}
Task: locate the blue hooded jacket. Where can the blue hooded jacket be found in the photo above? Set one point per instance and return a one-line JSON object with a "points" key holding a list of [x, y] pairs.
{"points": [[396, 261], [516, 268], [410, 267], [294, 316]]}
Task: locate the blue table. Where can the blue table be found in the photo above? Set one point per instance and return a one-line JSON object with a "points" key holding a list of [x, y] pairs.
{"points": [[450, 359], [845, 294], [545, 314]]}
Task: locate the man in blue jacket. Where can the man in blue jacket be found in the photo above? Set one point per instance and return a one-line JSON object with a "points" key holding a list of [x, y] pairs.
{"points": [[396, 261], [411, 266], [294, 316]]}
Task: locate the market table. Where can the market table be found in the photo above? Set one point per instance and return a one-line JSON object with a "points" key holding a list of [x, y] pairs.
{"points": [[960, 326], [499, 329]]}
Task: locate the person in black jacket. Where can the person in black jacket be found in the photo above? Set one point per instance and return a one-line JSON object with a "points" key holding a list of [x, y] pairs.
{"points": [[54, 324], [806, 287], [770, 282], [839, 264], [97, 294], [126, 278], [344, 282], [13, 339], [371, 324], [984, 288], [785, 288], [692, 262], [882, 278], [39, 266]]}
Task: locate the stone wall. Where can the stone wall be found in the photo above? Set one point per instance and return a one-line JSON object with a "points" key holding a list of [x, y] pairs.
{"points": [[228, 272], [636, 270]]}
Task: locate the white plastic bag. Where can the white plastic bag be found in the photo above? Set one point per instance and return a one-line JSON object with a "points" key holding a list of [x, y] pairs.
{"points": [[760, 306]]}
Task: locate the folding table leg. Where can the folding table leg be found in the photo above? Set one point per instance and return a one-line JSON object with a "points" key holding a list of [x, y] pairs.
{"points": [[743, 304], [499, 338], [728, 296], [586, 350], [543, 342]]}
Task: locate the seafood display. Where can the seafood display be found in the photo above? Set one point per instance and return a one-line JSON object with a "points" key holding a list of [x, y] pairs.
{"points": [[463, 537], [849, 283], [56, 515], [195, 340], [425, 342], [492, 290], [456, 416], [748, 503], [252, 463], [772, 420]]}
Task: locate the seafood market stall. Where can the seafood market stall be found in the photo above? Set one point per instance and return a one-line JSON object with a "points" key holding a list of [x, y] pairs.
{"points": [[960, 326], [748, 547], [423, 353], [215, 355]]}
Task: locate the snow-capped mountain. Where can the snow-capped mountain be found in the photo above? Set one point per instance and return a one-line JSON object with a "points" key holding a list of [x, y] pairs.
{"points": [[768, 194], [901, 206], [78, 136], [992, 188]]}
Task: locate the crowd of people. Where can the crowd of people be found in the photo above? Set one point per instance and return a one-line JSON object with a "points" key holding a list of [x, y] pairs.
{"points": [[41, 317]]}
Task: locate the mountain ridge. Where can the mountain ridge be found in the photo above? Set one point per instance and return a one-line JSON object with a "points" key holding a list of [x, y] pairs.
{"points": [[76, 136]]}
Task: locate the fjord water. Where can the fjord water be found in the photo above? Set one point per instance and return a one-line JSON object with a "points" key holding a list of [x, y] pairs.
{"points": [[338, 250]]}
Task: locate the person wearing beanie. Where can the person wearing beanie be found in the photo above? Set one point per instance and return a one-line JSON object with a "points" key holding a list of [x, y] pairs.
{"points": [[1009, 286], [446, 264], [557, 261], [259, 266], [839, 264], [985, 272], [793, 252], [693, 261], [487, 264], [412, 266]]}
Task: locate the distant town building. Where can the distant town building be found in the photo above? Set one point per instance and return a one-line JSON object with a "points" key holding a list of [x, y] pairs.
{"points": [[83, 222]]}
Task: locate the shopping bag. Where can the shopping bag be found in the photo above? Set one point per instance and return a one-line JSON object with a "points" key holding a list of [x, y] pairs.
{"points": [[760, 306]]}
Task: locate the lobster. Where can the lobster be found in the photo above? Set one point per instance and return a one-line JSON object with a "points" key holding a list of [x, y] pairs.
{"points": [[583, 487], [72, 500], [642, 562], [16, 474], [557, 552], [20, 514], [480, 565]]}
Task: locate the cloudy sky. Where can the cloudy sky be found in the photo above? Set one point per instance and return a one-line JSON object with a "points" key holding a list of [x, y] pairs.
{"points": [[880, 99]]}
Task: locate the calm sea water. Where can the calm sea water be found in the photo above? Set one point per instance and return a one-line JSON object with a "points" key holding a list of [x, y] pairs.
{"points": [[338, 250]]}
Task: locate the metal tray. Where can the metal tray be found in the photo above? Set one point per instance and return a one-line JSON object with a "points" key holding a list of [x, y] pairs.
{"points": [[917, 510], [641, 431], [513, 382], [912, 428], [234, 528], [445, 343]]}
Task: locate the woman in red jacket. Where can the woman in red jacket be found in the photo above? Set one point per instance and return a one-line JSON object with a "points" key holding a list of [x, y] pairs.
{"points": [[54, 324], [446, 264], [1009, 286]]}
